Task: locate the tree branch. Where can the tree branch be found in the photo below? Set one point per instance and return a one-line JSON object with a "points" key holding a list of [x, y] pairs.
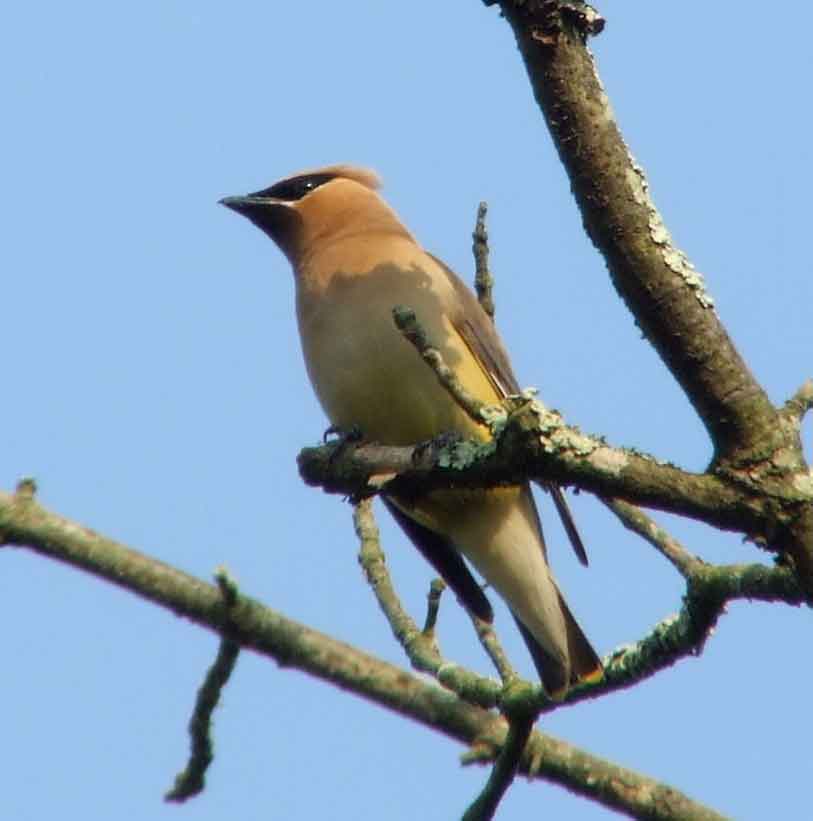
{"points": [[767, 502], [24, 523], [660, 286], [613, 786], [536, 444], [709, 589]]}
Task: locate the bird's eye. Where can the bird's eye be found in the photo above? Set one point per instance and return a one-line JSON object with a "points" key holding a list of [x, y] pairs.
{"points": [[295, 188]]}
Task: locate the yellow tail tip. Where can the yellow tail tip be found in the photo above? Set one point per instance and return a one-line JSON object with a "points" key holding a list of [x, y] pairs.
{"points": [[593, 677]]}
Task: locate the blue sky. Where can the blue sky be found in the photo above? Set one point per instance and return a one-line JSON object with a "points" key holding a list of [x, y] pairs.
{"points": [[154, 385]]}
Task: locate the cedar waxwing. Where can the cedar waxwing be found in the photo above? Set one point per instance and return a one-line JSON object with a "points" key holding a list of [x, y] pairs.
{"points": [[353, 261]]}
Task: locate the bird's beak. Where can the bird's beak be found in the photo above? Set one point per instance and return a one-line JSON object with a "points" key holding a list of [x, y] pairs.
{"points": [[277, 218], [247, 203]]}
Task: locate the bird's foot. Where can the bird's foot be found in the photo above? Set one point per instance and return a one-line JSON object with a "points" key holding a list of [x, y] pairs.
{"points": [[431, 446], [343, 436], [344, 439]]}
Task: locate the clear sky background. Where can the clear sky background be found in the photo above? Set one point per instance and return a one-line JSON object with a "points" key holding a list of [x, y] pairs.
{"points": [[155, 389]]}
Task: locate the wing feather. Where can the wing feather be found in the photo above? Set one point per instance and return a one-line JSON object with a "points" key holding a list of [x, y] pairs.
{"points": [[477, 331]]}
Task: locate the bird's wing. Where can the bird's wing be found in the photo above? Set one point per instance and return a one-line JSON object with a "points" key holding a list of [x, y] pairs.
{"points": [[477, 331], [566, 517], [446, 560]]}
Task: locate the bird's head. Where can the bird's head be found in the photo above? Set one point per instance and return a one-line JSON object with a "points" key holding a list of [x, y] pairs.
{"points": [[318, 206]]}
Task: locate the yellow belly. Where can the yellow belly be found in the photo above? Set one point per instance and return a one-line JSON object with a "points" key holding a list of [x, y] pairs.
{"points": [[366, 374]]}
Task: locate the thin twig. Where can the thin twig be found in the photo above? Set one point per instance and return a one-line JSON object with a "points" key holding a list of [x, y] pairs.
{"points": [[634, 519], [436, 589], [420, 649], [419, 646], [192, 779], [491, 644], [26, 489], [800, 403], [483, 280], [410, 327], [503, 772]]}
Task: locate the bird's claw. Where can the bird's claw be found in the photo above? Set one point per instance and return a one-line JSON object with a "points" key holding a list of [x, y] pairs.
{"points": [[439, 442], [343, 436]]}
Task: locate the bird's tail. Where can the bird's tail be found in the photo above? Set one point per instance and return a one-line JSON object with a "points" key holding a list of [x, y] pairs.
{"points": [[585, 665]]}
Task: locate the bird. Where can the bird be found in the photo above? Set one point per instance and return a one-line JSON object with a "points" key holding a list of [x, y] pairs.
{"points": [[353, 261]]}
